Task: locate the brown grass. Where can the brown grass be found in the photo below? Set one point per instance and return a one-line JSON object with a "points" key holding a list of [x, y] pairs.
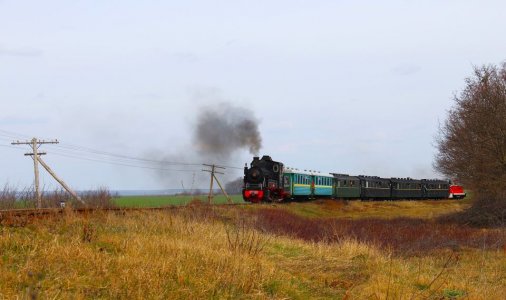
{"points": [[202, 251]]}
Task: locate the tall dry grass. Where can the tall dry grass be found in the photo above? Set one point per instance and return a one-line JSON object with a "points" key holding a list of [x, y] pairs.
{"points": [[205, 252]]}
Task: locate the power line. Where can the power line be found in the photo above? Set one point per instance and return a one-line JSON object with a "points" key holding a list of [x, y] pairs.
{"points": [[121, 164], [7, 146], [104, 153], [113, 160], [12, 134], [124, 158]]}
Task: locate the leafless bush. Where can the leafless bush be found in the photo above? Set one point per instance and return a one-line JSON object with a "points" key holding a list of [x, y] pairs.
{"points": [[242, 238], [100, 198], [27, 198], [53, 199], [8, 197]]}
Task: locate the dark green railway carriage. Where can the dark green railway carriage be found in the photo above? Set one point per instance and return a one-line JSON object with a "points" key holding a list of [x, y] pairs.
{"points": [[346, 186], [374, 187], [406, 188], [435, 188]]}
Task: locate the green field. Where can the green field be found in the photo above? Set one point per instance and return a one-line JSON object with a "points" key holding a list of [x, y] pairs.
{"points": [[160, 201]]}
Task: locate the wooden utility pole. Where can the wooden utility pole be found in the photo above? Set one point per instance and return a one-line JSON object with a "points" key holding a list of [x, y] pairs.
{"points": [[213, 177], [35, 144]]}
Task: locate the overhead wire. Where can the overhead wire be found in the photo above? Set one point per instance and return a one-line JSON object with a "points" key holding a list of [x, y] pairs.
{"points": [[122, 164], [70, 150], [104, 153]]}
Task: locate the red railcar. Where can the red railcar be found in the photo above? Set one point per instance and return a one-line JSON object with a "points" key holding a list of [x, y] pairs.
{"points": [[456, 192]]}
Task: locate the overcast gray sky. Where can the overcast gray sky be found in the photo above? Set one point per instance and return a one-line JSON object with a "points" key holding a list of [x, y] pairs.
{"points": [[344, 86]]}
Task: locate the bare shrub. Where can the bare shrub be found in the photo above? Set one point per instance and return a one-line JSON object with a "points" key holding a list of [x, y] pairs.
{"points": [[242, 238], [8, 197], [100, 198], [53, 199], [27, 198]]}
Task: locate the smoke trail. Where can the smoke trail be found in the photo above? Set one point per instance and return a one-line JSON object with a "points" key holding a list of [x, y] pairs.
{"points": [[224, 129], [219, 134]]}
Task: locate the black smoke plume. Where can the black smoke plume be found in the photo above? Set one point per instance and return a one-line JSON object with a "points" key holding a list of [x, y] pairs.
{"points": [[219, 134], [224, 129]]}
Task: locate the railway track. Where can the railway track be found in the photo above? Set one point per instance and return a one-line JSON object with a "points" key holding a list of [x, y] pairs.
{"points": [[40, 212]]}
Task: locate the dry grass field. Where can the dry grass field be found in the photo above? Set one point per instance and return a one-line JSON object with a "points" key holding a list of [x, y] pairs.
{"points": [[323, 249]]}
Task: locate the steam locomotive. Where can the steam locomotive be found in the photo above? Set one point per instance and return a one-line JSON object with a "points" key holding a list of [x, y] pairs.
{"points": [[267, 180]]}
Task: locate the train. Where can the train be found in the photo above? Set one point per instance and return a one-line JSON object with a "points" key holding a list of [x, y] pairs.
{"points": [[266, 180]]}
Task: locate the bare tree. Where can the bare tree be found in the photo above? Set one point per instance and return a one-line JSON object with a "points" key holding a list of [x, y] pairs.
{"points": [[472, 141], [235, 186]]}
